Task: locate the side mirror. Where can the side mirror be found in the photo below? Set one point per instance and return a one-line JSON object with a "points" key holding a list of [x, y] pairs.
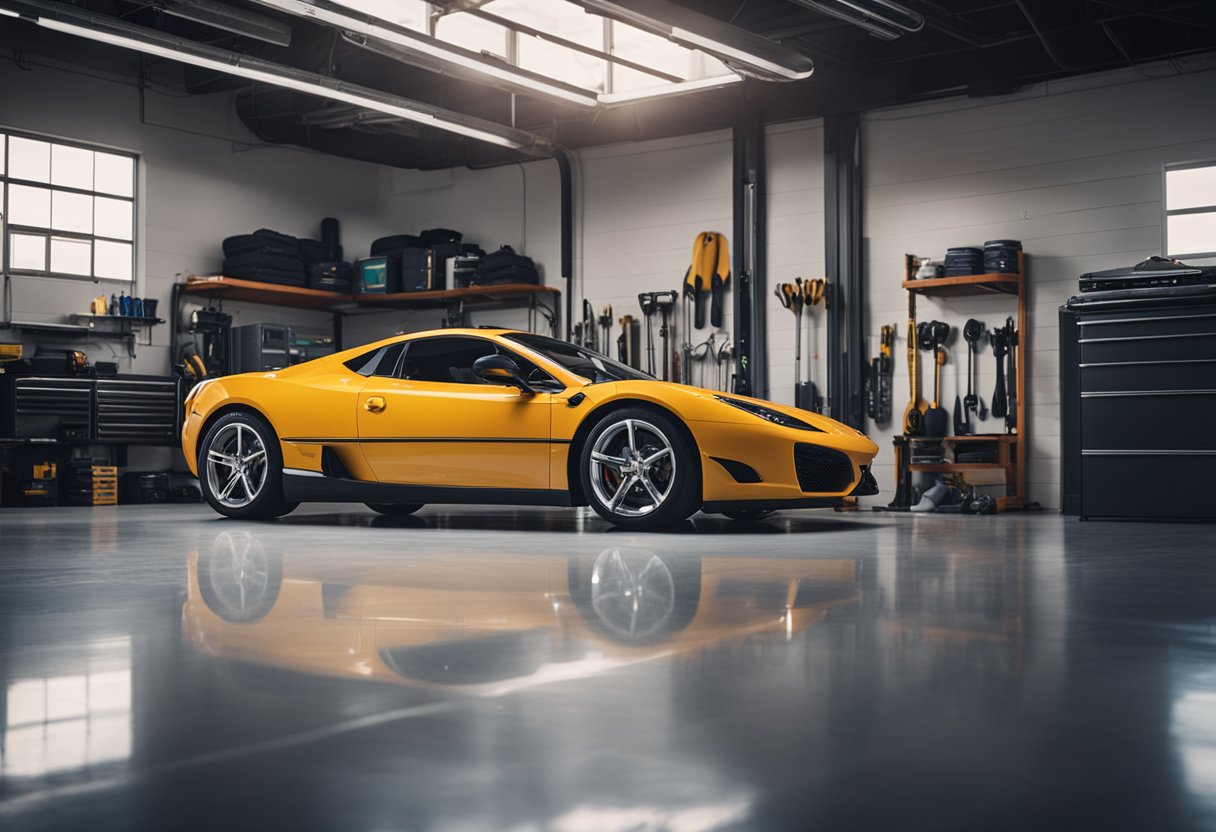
{"points": [[500, 369]]}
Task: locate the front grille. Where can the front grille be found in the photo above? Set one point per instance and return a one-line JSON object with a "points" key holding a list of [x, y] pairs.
{"points": [[822, 470]]}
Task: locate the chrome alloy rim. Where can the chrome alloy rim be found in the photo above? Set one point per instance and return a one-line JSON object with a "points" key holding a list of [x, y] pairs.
{"points": [[632, 468], [632, 592], [240, 572], [236, 465]]}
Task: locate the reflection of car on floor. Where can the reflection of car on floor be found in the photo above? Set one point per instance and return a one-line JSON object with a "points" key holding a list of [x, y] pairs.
{"points": [[498, 416], [496, 622]]}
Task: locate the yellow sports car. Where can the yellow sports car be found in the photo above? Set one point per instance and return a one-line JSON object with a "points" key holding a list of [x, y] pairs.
{"points": [[499, 416]]}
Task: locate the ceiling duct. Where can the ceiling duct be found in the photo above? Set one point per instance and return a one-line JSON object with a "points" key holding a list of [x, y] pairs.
{"points": [[884, 19], [230, 19], [744, 52], [109, 30]]}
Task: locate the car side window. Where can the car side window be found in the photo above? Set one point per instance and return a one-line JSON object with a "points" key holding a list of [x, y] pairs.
{"points": [[378, 362], [450, 359]]}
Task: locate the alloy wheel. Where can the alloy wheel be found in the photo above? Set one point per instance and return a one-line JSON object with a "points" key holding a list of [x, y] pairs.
{"points": [[633, 467], [236, 465]]}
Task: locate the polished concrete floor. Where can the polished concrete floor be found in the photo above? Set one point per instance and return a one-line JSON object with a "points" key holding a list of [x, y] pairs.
{"points": [[164, 669]]}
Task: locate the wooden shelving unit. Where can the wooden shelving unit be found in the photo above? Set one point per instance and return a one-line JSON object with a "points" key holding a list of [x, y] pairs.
{"points": [[1012, 446], [223, 288], [250, 291]]}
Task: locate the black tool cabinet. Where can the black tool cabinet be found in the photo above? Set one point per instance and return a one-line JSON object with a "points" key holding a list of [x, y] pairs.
{"points": [[1138, 407]]}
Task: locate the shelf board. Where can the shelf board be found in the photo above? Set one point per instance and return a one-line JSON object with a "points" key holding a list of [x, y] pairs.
{"points": [[946, 467], [251, 291], [92, 319], [232, 288], [976, 284], [994, 437], [442, 297]]}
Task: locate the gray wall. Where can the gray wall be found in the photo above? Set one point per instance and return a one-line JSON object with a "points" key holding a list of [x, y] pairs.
{"points": [[202, 178], [1072, 168]]}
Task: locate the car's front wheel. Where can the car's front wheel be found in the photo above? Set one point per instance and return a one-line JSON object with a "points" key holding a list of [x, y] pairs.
{"points": [[240, 468], [639, 471]]}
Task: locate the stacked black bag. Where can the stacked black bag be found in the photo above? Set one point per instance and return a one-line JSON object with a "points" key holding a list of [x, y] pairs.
{"points": [[265, 256], [505, 266], [271, 257]]}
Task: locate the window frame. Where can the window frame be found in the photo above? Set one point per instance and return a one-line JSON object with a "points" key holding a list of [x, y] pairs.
{"points": [[501, 348], [7, 229], [1166, 213]]}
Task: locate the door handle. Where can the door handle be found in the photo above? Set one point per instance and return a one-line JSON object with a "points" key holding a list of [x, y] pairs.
{"points": [[374, 404]]}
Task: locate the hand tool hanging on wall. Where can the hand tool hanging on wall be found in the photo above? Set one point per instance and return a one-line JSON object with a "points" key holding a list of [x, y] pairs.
{"points": [[726, 357], [699, 354], [1011, 412], [646, 301], [886, 373], [589, 335], [915, 411], [1000, 346], [972, 332], [685, 341], [814, 292], [629, 342], [697, 278], [665, 302], [719, 281], [790, 295], [936, 420], [605, 322], [871, 390], [960, 412]]}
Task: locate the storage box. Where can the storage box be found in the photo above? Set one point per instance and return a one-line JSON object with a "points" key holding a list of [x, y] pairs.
{"points": [[377, 275]]}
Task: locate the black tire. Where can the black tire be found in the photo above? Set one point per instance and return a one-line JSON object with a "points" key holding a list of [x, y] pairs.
{"points": [[267, 502], [681, 485], [751, 515], [394, 509]]}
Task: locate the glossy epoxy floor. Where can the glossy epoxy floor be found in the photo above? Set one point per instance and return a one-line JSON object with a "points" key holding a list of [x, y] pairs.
{"points": [[533, 670]]}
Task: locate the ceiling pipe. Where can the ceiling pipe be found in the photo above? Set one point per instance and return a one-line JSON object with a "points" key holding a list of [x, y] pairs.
{"points": [[882, 25], [229, 19], [109, 30]]}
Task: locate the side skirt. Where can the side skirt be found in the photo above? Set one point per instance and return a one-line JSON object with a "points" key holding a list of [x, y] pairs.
{"points": [[311, 487]]}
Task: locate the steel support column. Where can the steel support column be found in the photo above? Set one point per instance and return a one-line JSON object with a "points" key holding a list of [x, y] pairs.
{"points": [[566, 197], [749, 240], [845, 276]]}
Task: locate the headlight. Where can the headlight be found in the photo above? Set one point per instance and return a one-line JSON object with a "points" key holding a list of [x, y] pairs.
{"points": [[768, 414]]}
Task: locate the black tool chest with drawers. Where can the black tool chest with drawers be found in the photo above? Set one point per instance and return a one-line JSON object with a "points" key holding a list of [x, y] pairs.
{"points": [[125, 409], [1138, 404]]}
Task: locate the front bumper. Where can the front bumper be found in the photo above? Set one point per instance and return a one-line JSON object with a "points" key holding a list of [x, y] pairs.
{"points": [[771, 452]]}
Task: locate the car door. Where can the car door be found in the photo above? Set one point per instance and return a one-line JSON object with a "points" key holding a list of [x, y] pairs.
{"points": [[436, 423]]}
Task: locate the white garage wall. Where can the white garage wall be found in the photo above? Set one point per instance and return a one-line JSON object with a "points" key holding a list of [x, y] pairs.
{"points": [[203, 177], [638, 208], [1072, 168]]}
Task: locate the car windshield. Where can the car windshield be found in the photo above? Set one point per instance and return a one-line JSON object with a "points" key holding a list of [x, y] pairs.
{"points": [[580, 360]]}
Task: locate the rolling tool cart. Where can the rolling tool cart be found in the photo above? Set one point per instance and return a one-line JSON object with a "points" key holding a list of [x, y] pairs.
{"points": [[1137, 404]]}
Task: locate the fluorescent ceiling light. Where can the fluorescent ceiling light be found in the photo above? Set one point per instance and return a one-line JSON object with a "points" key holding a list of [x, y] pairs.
{"points": [[9, 13], [142, 40], [412, 41], [734, 54], [617, 98]]}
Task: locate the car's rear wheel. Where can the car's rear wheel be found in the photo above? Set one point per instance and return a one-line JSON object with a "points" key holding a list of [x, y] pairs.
{"points": [[639, 471], [394, 509], [240, 468]]}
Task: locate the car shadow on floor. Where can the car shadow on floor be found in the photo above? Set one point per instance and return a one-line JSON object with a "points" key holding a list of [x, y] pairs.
{"points": [[571, 522]]}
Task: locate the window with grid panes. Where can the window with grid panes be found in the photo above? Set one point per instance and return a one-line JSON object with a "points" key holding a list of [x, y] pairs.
{"points": [[68, 208]]}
